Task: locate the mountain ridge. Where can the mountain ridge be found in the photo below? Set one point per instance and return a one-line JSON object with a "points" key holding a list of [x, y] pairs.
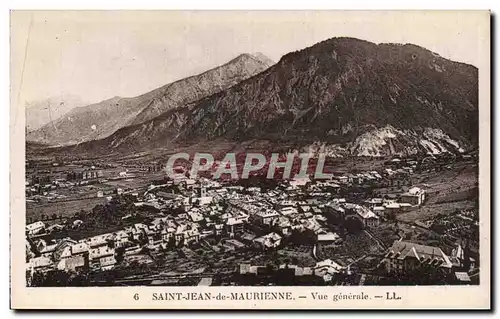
{"points": [[99, 120], [243, 60], [343, 86], [42, 112], [354, 96]]}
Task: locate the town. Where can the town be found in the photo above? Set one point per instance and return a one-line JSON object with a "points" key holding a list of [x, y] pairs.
{"points": [[391, 221]]}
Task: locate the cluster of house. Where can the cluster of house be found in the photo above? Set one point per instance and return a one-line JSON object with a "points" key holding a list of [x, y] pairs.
{"points": [[457, 226], [393, 205], [98, 252], [84, 174], [242, 216], [405, 257], [325, 269]]}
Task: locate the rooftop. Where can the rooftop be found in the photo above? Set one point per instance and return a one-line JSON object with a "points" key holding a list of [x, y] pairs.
{"points": [[429, 254], [415, 191]]}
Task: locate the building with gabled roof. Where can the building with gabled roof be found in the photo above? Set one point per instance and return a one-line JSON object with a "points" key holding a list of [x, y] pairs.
{"points": [[415, 196], [266, 216], [80, 248], [235, 225], [269, 241], [406, 256], [41, 264], [327, 267], [74, 263], [369, 218], [35, 228], [328, 237]]}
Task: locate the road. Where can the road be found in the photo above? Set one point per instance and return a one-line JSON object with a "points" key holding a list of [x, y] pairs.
{"points": [[380, 244]]}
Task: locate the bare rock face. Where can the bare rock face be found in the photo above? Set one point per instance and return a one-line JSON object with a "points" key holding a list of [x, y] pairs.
{"points": [[102, 119], [346, 92], [343, 95]]}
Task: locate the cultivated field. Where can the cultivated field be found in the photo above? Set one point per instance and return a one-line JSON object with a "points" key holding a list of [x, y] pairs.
{"points": [[64, 208], [447, 191]]}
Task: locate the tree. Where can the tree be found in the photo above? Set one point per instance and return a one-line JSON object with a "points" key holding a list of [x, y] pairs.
{"points": [[80, 215], [120, 252], [302, 237], [353, 224], [53, 278]]}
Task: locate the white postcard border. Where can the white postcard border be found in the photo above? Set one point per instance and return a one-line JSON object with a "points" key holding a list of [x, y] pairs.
{"points": [[432, 297]]}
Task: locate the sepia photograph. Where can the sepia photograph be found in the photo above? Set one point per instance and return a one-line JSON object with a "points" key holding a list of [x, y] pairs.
{"points": [[189, 151]]}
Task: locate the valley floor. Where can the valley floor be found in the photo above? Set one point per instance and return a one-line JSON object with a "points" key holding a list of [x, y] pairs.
{"points": [[137, 200]]}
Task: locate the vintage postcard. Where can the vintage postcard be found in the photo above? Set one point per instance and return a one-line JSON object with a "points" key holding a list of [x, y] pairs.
{"points": [[250, 160]]}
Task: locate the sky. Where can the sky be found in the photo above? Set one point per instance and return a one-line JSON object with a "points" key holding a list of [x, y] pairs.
{"points": [[97, 55]]}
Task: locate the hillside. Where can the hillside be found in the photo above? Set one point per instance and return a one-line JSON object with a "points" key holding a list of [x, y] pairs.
{"points": [[102, 119], [39, 113], [194, 88], [342, 96], [364, 98]]}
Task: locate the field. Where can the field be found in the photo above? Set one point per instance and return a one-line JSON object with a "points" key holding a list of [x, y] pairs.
{"points": [[389, 232], [64, 208], [432, 210], [446, 191], [86, 191], [134, 182]]}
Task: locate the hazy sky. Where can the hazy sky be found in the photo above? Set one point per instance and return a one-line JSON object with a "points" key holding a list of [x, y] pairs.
{"points": [[98, 54]]}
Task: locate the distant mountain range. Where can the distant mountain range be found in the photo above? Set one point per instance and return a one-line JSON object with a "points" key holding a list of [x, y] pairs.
{"points": [[343, 96], [39, 113], [354, 96], [97, 121]]}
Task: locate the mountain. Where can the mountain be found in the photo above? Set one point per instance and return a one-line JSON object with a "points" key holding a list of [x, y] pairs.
{"points": [[158, 132], [354, 96], [39, 113], [262, 57], [194, 88], [102, 119], [342, 96]]}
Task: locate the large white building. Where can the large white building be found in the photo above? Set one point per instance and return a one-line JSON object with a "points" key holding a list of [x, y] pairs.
{"points": [[415, 196], [35, 228]]}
